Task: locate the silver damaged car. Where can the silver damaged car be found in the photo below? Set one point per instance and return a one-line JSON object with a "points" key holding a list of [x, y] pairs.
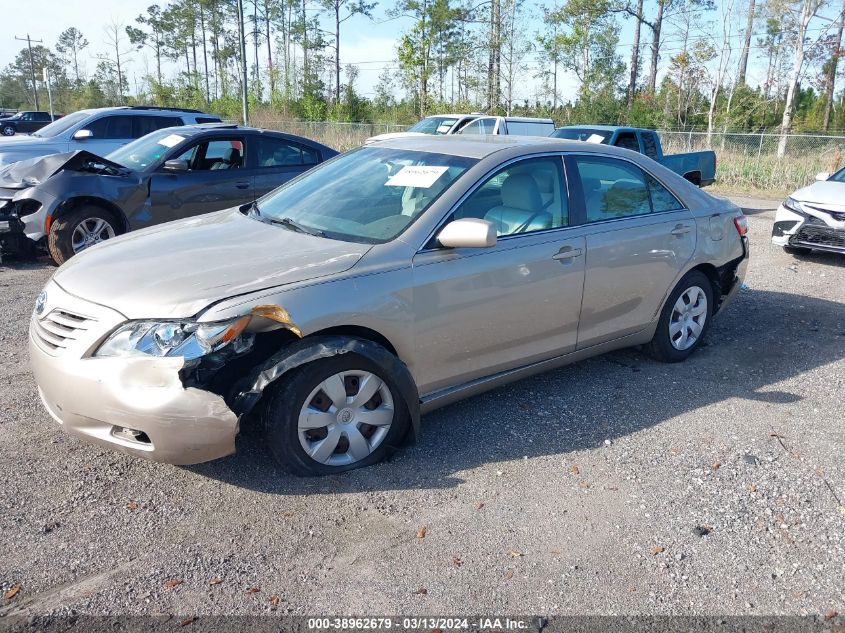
{"points": [[391, 280]]}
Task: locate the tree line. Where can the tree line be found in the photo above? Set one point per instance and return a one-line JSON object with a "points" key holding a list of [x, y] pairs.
{"points": [[687, 67]]}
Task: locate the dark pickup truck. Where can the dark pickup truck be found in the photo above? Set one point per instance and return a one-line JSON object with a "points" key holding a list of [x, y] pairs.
{"points": [[697, 167], [24, 122]]}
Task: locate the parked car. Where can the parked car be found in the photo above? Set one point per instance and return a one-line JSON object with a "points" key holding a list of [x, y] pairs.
{"points": [[697, 167], [513, 125], [389, 281], [24, 123], [99, 131], [71, 201], [436, 124], [813, 218]]}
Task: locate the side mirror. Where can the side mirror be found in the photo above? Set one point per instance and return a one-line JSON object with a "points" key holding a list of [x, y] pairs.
{"points": [[824, 175], [176, 164], [468, 233], [81, 135]]}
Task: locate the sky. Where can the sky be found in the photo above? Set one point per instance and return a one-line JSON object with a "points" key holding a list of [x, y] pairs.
{"points": [[371, 45]]}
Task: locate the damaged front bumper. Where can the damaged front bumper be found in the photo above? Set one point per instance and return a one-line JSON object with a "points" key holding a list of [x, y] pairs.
{"points": [[137, 406]]}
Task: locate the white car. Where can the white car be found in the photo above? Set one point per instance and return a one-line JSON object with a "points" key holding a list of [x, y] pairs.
{"points": [[813, 218], [436, 124]]}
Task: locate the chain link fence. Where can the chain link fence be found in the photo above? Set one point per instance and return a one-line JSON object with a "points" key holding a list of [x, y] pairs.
{"points": [[750, 161], [341, 136], [745, 161]]}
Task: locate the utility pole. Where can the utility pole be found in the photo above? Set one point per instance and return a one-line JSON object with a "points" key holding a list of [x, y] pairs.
{"points": [[46, 72], [29, 42], [242, 46]]}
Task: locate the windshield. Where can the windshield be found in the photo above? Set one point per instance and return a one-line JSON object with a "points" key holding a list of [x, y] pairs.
{"points": [[582, 134], [434, 125], [838, 176], [147, 150], [57, 127], [367, 195]]}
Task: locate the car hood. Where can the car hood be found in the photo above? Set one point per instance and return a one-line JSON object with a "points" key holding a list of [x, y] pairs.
{"points": [[8, 143], [34, 171], [175, 270], [827, 194]]}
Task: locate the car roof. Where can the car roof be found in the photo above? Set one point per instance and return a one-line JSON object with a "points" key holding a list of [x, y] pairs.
{"points": [[143, 109], [453, 114], [482, 145], [605, 128], [203, 128]]}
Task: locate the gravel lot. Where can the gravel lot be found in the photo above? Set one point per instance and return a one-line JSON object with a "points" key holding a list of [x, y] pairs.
{"points": [[615, 486]]}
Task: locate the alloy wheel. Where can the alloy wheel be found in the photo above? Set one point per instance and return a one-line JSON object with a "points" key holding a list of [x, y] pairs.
{"points": [[688, 317], [89, 232], [345, 418]]}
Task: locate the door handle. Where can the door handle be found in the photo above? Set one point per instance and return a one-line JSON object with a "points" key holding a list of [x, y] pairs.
{"points": [[567, 253], [242, 185], [680, 229]]}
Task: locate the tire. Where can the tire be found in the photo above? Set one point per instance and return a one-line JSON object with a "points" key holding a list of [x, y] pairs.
{"points": [[287, 404], [674, 345], [797, 250], [68, 228], [8, 130]]}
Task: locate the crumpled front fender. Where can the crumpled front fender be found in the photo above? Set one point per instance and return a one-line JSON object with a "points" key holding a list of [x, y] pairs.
{"points": [[250, 389]]}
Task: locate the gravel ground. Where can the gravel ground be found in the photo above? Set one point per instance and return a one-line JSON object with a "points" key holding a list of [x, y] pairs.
{"points": [[615, 486]]}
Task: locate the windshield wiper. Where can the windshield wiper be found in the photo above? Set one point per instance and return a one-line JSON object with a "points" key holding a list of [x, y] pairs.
{"points": [[296, 226]]}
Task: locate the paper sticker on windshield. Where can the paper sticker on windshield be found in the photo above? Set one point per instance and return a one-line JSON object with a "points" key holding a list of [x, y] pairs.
{"points": [[596, 138], [416, 176], [172, 140]]}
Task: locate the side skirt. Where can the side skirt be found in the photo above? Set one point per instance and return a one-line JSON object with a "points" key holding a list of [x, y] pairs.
{"points": [[442, 397]]}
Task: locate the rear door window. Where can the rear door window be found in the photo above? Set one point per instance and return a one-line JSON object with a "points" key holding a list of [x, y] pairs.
{"points": [[530, 128], [276, 152], [612, 188], [143, 125]]}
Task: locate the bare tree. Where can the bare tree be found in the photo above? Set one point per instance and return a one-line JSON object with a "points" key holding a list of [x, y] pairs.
{"points": [[802, 12], [746, 42], [117, 58], [831, 68]]}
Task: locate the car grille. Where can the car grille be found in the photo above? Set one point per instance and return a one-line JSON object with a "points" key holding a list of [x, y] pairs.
{"points": [[59, 329], [817, 233]]}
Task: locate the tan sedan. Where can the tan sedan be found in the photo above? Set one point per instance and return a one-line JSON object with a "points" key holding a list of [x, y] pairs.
{"points": [[389, 281]]}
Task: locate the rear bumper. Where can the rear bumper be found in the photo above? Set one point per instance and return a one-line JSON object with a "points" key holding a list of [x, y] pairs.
{"points": [[137, 406], [733, 275]]}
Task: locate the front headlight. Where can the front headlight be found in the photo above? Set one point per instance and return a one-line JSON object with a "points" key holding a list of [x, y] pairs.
{"points": [[793, 205], [187, 339]]}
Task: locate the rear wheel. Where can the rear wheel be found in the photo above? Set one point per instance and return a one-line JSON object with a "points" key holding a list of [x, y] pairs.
{"points": [[684, 319], [333, 415], [80, 229]]}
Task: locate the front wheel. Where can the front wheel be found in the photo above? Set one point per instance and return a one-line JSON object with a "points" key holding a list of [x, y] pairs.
{"points": [[684, 319], [334, 415], [8, 130], [80, 229]]}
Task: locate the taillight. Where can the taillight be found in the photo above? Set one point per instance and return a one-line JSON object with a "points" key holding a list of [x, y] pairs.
{"points": [[741, 224]]}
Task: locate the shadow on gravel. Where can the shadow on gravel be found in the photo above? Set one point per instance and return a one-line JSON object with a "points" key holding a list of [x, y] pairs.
{"points": [[823, 258], [761, 340]]}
